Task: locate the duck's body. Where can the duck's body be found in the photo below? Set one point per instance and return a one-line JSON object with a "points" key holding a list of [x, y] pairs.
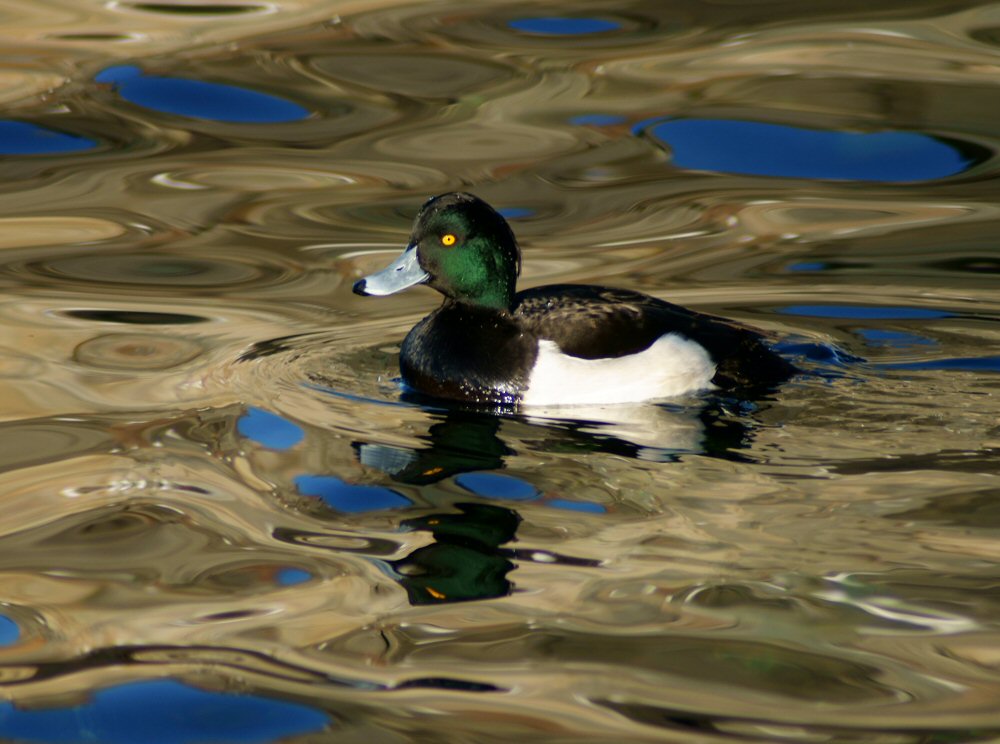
{"points": [[560, 344]]}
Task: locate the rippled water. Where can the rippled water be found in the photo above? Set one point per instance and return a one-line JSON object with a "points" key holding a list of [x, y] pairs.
{"points": [[223, 523]]}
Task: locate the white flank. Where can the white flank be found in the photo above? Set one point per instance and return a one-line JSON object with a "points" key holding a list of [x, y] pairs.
{"points": [[673, 365]]}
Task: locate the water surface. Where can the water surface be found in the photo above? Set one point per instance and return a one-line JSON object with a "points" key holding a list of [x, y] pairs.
{"points": [[217, 498]]}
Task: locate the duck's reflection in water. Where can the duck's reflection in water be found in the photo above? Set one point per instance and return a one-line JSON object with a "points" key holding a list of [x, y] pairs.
{"points": [[465, 560], [467, 440], [649, 432], [464, 441], [472, 553]]}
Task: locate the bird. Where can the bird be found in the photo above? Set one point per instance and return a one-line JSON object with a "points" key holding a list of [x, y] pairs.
{"points": [[554, 345]]}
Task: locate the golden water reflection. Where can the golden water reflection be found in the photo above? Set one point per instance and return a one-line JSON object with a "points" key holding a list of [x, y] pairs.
{"points": [[216, 492]]}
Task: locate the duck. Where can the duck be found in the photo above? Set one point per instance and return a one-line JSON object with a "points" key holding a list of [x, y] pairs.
{"points": [[554, 345]]}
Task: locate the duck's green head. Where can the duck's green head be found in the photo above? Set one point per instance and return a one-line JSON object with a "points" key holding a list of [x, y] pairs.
{"points": [[460, 246]]}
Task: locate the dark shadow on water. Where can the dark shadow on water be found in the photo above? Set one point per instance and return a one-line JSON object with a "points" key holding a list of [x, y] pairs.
{"points": [[199, 9], [272, 346], [133, 317]]}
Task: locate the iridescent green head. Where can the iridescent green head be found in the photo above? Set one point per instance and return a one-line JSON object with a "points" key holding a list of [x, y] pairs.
{"points": [[460, 246]]}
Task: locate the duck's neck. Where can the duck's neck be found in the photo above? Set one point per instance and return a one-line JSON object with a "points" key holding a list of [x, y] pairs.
{"points": [[496, 298]]}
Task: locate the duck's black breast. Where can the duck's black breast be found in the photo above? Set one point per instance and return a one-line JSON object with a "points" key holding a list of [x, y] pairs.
{"points": [[468, 352], [600, 322]]}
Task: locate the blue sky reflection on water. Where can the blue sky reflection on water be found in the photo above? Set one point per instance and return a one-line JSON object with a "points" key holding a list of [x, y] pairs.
{"points": [[199, 99], [495, 486], [564, 26], [959, 364], [9, 632], [25, 138], [597, 120], [578, 506], [269, 429], [867, 312], [760, 149], [894, 339], [517, 213], [162, 712], [349, 497], [292, 576]]}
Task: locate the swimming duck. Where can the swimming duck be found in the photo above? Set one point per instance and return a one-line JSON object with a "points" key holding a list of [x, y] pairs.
{"points": [[561, 344]]}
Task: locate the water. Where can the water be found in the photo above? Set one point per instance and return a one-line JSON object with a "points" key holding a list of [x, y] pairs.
{"points": [[223, 522]]}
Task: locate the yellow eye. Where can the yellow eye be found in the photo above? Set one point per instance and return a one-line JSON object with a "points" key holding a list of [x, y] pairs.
{"points": [[448, 239]]}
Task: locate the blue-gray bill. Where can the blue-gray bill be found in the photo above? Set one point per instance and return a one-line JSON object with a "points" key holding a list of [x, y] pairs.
{"points": [[404, 272]]}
